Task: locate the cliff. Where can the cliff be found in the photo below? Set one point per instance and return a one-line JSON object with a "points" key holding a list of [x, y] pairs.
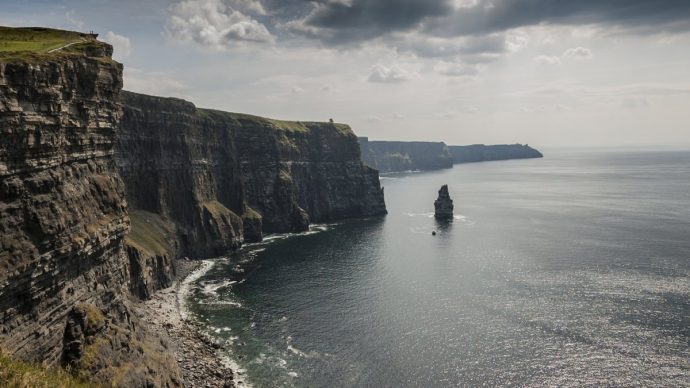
{"points": [[101, 190], [483, 153], [223, 178], [65, 277], [389, 156]]}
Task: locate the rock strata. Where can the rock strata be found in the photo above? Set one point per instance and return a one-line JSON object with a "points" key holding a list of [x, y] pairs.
{"points": [[443, 206], [225, 178], [64, 272], [101, 191]]}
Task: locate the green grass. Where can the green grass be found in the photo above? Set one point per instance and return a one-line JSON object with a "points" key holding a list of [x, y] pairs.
{"points": [[18, 374], [149, 232], [34, 44], [36, 39], [283, 125]]}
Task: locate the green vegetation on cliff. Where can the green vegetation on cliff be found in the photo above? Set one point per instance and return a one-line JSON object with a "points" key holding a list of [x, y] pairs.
{"points": [[150, 232], [283, 125], [36, 43], [18, 374]]}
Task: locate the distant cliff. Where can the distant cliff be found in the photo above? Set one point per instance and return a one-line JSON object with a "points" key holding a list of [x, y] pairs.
{"points": [[483, 153], [389, 156], [223, 178]]}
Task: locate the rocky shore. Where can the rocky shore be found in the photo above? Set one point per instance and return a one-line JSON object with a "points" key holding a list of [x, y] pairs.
{"points": [[199, 357]]}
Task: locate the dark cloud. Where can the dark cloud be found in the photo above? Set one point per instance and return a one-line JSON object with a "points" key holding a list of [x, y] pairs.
{"points": [[494, 16], [347, 21]]}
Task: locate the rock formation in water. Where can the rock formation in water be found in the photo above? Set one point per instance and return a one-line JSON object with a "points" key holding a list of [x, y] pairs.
{"points": [[390, 156], [75, 256], [443, 206], [484, 153]]}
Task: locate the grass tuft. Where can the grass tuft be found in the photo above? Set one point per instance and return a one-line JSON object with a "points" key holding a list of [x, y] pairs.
{"points": [[19, 374]]}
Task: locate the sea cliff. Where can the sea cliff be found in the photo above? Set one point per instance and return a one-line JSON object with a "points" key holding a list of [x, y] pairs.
{"points": [[65, 279], [484, 153], [101, 191], [397, 156], [225, 178], [390, 156]]}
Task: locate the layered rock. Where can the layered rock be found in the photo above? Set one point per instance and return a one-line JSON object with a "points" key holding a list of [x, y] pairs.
{"points": [[223, 178], [443, 206], [63, 214], [74, 257], [484, 153], [183, 166], [391, 156]]}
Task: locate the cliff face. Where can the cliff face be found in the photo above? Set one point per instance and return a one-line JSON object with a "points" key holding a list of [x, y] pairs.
{"points": [[63, 217], [483, 153], [184, 167], [389, 156], [223, 178], [76, 258]]}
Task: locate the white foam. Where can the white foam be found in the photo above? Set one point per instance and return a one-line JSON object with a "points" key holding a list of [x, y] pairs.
{"points": [[211, 288], [183, 290]]}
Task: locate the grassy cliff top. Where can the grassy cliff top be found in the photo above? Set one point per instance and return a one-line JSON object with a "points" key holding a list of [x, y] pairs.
{"points": [[284, 125], [27, 43]]}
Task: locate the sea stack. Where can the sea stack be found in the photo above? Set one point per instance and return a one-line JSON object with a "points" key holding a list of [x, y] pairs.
{"points": [[443, 205]]}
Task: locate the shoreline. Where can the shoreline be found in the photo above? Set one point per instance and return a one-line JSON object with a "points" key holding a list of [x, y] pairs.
{"points": [[198, 356]]}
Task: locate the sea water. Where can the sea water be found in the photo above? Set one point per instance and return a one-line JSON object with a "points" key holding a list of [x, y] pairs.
{"points": [[568, 270]]}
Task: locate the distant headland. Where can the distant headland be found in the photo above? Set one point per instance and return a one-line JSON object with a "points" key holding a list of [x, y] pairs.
{"points": [[395, 156]]}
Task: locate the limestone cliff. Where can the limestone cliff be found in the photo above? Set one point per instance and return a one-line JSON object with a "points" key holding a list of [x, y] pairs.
{"points": [[484, 153], [224, 177], [76, 258], [390, 156], [63, 217]]}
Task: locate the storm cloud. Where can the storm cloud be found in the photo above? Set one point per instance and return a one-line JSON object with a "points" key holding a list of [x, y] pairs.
{"points": [[349, 21]]}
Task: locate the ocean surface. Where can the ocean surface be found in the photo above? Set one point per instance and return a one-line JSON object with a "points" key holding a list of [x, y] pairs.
{"points": [[568, 270]]}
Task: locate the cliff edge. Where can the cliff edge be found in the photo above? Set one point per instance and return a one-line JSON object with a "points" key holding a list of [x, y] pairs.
{"points": [[224, 178], [65, 277]]}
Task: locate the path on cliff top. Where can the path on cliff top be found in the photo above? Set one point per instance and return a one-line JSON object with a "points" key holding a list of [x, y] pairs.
{"points": [[67, 45]]}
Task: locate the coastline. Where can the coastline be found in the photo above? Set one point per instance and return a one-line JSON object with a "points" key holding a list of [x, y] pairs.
{"points": [[198, 356]]}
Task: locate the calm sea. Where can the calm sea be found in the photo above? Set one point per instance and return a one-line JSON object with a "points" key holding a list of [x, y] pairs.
{"points": [[569, 270]]}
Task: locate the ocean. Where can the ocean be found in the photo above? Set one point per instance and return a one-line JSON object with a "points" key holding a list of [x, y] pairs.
{"points": [[568, 270]]}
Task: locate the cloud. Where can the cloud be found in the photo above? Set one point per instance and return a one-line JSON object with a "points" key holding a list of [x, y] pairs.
{"points": [[71, 17], [578, 53], [547, 60], [250, 6], [213, 24], [121, 45], [491, 16], [455, 69], [635, 102], [155, 83], [353, 21], [393, 74], [359, 20]]}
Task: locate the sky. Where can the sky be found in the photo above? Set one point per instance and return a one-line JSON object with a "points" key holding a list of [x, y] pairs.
{"points": [[550, 73]]}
